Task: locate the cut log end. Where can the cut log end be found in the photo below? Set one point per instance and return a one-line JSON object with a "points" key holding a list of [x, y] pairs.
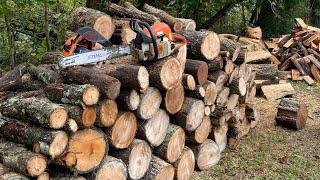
{"points": [[105, 26], [108, 113], [208, 155], [134, 100], [123, 130], [143, 78], [58, 144], [44, 176], [139, 160], [195, 116], [89, 146], [70, 159], [175, 145], [170, 73], [89, 116], [174, 99], [90, 96], [210, 47], [203, 131], [58, 118], [111, 168], [185, 165], [71, 126], [150, 103], [189, 82], [36, 165]]}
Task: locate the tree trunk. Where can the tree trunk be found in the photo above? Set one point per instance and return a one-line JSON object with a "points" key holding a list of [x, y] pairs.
{"points": [[191, 114], [172, 146], [173, 99], [150, 102], [185, 165], [107, 85], [206, 154], [137, 157], [84, 117], [188, 81], [50, 142], [21, 160], [46, 25], [197, 69], [130, 76], [201, 133], [72, 94], [101, 22], [154, 130], [128, 100], [90, 147], [159, 169], [202, 44], [34, 110], [122, 133], [292, 114], [110, 168], [130, 12], [12, 46]]}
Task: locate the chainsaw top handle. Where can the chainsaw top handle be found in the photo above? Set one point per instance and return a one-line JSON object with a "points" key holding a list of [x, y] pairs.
{"points": [[137, 27]]}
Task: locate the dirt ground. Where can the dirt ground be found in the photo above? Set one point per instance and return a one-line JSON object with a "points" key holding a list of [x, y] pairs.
{"points": [[269, 151]]}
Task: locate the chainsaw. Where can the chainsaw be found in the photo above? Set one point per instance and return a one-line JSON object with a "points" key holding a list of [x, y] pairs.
{"points": [[152, 43]]}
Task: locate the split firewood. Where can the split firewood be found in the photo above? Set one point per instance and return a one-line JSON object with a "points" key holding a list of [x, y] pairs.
{"points": [[100, 21], [292, 114], [21, 160], [315, 72], [155, 129], [137, 157], [159, 169], [185, 165], [172, 146]]}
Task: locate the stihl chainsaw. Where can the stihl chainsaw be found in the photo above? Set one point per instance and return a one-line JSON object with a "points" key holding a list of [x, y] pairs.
{"points": [[152, 43]]}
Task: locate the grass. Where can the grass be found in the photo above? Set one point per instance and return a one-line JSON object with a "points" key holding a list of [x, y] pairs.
{"points": [[271, 152]]}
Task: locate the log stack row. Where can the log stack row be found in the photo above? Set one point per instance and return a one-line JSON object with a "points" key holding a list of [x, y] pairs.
{"points": [[123, 119]]}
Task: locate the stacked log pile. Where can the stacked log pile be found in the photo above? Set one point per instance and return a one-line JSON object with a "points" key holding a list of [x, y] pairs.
{"points": [[123, 118]]}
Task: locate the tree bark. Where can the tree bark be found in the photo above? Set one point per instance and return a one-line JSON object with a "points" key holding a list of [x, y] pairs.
{"points": [[45, 75], [128, 100], [264, 71], [197, 69]]}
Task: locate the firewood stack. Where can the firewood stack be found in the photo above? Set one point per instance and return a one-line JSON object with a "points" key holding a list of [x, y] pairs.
{"points": [[126, 119]]}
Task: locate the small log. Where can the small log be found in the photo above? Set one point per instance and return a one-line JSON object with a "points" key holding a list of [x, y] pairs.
{"points": [[84, 117], [51, 142], [101, 22], [44, 176], [137, 157], [89, 147], [172, 146], [219, 78], [185, 24], [130, 12], [173, 99], [130, 76], [110, 168], [206, 154], [207, 110], [292, 114], [277, 91], [199, 92], [150, 102], [122, 133], [222, 97], [165, 74], [238, 86], [264, 71], [202, 44], [202, 132], [256, 56], [211, 93], [197, 69], [215, 65], [71, 126], [123, 33], [12, 80], [72, 94], [191, 114], [44, 74], [232, 101], [284, 75], [155, 129], [107, 85], [252, 115], [107, 112], [34, 110], [219, 135], [21, 160], [188, 81], [184, 166], [128, 99], [159, 169], [304, 64]]}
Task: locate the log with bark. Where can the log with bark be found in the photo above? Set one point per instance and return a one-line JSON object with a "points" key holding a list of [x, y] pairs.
{"points": [[252, 115], [100, 21], [185, 165], [173, 99], [43, 73], [110, 168], [201, 133], [12, 80], [292, 114], [188, 81], [159, 169], [51, 142], [128, 99], [210, 93], [85, 117]]}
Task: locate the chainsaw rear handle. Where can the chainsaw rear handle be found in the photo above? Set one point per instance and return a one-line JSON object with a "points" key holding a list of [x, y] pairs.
{"points": [[135, 25]]}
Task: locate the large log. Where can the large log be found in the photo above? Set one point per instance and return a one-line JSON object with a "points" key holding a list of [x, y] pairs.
{"points": [[128, 99], [172, 146], [137, 157], [277, 91], [122, 133], [202, 132], [165, 74], [101, 22], [150, 102], [292, 114], [12, 80], [108, 86], [107, 111], [185, 165], [34, 110], [202, 44], [159, 169], [50, 142], [130, 12], [173, 99], [21, 160], [110, 168], [206, 154], [155, 129], [72, 94], [191, 114], [89, 147], [264, 71], [84, 117], [130, 76], [197, 69]]}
